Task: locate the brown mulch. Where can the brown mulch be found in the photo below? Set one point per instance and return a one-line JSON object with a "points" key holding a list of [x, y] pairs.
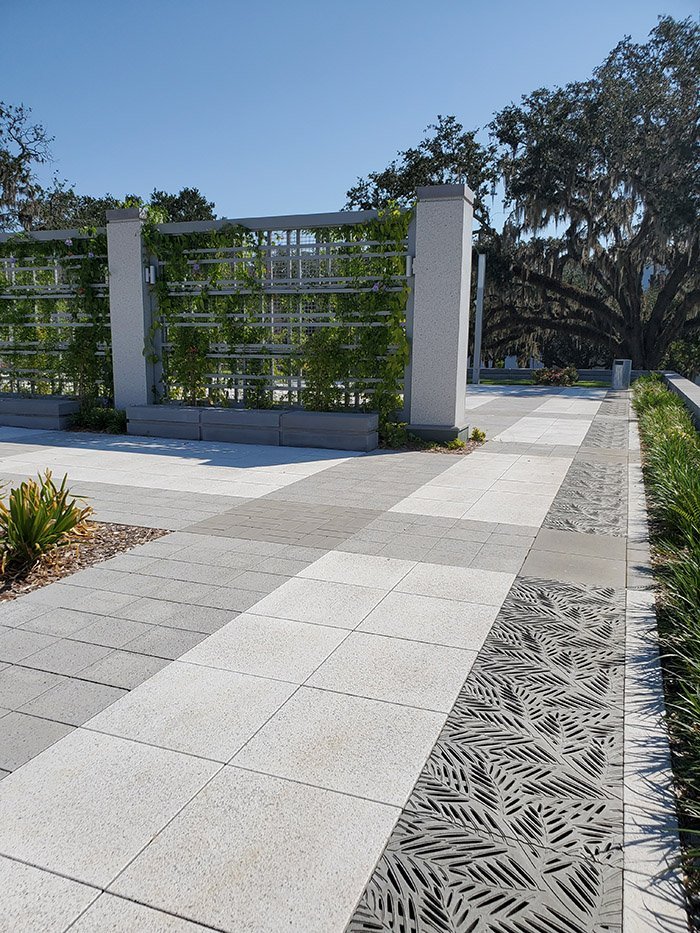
{"points": [[107, 540], [436, 449]]}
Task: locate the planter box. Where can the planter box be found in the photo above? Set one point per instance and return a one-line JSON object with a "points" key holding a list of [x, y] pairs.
{"points": [[240, 426], [333, 430], [272, 427], [44, 413], [163, 421]]}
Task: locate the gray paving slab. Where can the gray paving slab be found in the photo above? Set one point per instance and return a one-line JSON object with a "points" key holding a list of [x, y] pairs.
{"points": [[125, 669], [576, 568], [72, 702], [19, 685], [163, 642], [22, 737], [186, 616], [587, 545], [63, 623], [17, 643], [110, 632], [18, 612], [66, 657]]}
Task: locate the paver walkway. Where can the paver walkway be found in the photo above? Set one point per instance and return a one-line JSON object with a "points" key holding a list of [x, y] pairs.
{"points": [[381, 693]]}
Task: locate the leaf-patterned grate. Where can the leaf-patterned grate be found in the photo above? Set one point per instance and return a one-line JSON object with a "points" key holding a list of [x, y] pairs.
{"points": [[515, 823]]}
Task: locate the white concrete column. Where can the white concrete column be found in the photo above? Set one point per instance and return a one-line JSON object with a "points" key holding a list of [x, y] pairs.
{"points": [[129, 308], [442, 278]]}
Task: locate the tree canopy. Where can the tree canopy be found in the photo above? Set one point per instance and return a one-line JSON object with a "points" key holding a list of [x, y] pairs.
{"points": [[27, 205], [601, 180], [447, 154], [23, 146], [61, 206]]}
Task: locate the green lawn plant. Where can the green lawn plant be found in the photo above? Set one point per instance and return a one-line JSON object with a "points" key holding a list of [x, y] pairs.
{"points": [[36, 518], [671, 458]]}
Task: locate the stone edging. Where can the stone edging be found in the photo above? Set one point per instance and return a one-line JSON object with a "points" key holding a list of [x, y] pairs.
{"points": [[653, 894]]}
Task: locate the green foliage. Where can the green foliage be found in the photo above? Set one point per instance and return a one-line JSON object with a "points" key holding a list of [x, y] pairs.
{"points": [[455, 444], [350, 350], [568, 376], [447, 154], [187, 204], [101, 418], [671, 458], [23, 146], [477, 435], [393, 434], [683, 357], [37, 517], [51, 345]]}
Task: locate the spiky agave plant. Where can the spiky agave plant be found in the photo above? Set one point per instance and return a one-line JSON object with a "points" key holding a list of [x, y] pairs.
{"points": [[36, 517]]}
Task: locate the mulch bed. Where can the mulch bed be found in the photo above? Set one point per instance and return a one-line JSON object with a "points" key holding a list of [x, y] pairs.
{"points": [[469, 446], [107, 541]]}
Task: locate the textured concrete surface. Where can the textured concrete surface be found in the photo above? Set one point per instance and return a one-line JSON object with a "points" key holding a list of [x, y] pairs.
{"points": [[343, 691]]}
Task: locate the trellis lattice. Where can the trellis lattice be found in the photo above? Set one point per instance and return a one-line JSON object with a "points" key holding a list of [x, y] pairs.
{"points": [[54, 317], [312, 317]]}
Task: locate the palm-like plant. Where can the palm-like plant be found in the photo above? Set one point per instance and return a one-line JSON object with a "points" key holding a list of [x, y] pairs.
{"points": [[35, 518]]}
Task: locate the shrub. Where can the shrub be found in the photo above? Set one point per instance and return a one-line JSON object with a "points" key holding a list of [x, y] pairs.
{"points": [[37, 517], [393, 433], [93, 417], [477, 435], [455, 444], [567, 376]]}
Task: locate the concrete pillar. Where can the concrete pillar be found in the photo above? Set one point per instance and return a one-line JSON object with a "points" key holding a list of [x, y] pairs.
{"points": [[129, 308], [442, 276]]}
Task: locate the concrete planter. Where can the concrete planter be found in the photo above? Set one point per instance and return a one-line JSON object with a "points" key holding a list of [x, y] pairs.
{"points": [[334, 430], [48, 412], [164, 421], [240, 426], [331, 430]]}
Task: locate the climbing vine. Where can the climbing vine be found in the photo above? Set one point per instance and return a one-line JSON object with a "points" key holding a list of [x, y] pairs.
{"points": [[54, 316], [242, 318]]}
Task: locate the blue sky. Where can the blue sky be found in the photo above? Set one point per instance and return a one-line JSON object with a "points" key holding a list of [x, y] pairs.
{"points": [[277, 107]]}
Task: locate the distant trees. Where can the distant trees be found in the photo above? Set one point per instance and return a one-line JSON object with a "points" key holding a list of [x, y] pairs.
{"points": [[602, 185], [23, 146], [27, 205], [447, 154], [60, 206]]}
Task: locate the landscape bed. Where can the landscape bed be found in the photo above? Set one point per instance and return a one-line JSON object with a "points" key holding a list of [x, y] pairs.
{"points": [[107, 540], [671, 462]]}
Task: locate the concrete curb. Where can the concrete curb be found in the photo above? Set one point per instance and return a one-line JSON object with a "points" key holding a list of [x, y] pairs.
{"points": [[653, 895]]}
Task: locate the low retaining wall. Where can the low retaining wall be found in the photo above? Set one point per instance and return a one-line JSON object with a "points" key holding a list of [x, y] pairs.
{"points": [[47, 412], [525, 375], [285, 428], [688, 391]]}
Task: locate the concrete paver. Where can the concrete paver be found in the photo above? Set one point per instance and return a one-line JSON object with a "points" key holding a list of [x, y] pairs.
{"points": [[321, 633]]}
